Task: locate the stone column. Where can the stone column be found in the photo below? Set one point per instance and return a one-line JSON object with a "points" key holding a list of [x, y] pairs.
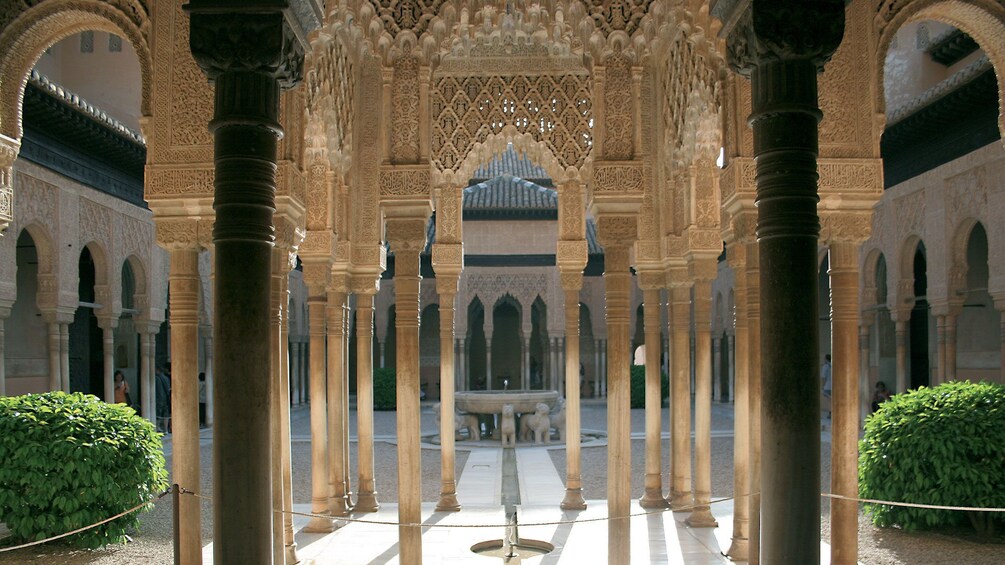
{"points": [[366, 497], [901, 320], [783, 68], [208, 348], [285, 478], [9, 149], [740, 546], [572, 282], [617, 233], [463, 363], [717, 346], [488, 359], [844, 277], [447, 262], [184, 285], [863, 359], [651, 282], [940, 340], [4, 314], [64, 355], [701, 516], [754, 394], [317, 276], [598, 363], [951, 320], [680, 397], [407, 237], [246, 132], [525, 369], [146, 374], [108, 325], [55, 376], [338, 402]]}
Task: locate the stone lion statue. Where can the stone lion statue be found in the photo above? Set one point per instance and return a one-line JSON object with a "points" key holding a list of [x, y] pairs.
{"points": [[539, 422], [467, 422], [507, 426], [558, 419]]}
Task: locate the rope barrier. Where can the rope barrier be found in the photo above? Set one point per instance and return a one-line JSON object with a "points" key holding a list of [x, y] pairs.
{"points": [[184, 491], [912, 504], [85, 528]]}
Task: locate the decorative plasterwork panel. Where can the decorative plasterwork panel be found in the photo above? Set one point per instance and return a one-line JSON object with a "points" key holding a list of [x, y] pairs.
{"points": [[552, 109], [399, 181], [410, 15], [525, 288], [331, 85], [628, 177], [846, 93], [173, 182], [618, 122], [911, 213], [618, 15], [405, 111]]}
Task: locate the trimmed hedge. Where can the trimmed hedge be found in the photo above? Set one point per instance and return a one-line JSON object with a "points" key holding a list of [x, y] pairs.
{"points": [[385, 394], [638, 386], [942, 445], [70, 460]]}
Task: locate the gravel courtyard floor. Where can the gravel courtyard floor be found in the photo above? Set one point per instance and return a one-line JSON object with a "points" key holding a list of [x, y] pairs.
{"points": [[152, 545]]}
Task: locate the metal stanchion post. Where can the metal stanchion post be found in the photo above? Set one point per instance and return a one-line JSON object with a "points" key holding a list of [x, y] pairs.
{"points": [[176, 522]]}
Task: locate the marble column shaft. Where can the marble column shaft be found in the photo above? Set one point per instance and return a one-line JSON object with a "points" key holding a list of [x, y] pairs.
{"points": [[339, 502], [145, 377], [901, 320], [573, 499], [680, 397], [701, 516], [844, 276], [366, 499], [208, 348], [618, 281], [448, 458], [184, 283], [3, 370], [55, 375], [108, 357], [754, 395], [951, 320], [407, 237], [653, 495], [316, 305], [64, 356], [740, 546]]}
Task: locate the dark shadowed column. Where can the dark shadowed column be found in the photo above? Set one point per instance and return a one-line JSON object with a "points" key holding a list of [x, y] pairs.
{"points": [[782, 47], [249, 50]]}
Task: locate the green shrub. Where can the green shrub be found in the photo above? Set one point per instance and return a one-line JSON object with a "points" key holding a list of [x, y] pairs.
{"points": [[385, 394], [638, 386], [70, 460], [942, 445]]}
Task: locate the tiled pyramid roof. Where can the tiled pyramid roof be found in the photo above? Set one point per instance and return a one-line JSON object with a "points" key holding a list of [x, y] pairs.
{"points": [[509, 193], [511, 163]]}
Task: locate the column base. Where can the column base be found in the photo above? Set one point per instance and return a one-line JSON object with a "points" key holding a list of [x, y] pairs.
{"points": [[681, 501], [739, 550], [366, 502], [317, 525], [448, 503], [573, 499], [701, 518], [339, 506], [653, 499], [291, 554]]}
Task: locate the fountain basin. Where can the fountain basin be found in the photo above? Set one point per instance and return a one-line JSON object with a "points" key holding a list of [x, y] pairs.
{"points": [[492, 401]]}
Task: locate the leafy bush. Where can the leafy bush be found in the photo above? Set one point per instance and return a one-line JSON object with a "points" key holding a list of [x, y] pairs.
{"points": [[70, 460], [638, 386], [385, 395], [942, 445]]}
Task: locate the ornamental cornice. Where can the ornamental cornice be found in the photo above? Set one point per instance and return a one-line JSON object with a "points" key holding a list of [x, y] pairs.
{"points": [[860, 177], [405, 182], [511, 65], [627, 178], [173, 181]]}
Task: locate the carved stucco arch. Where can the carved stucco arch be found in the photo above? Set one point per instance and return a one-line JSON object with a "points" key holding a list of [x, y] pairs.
{"points": [[903, 291], [32, 32], [482, 153], [870, 270], [983, 20], [960, 266], [44, 249]]}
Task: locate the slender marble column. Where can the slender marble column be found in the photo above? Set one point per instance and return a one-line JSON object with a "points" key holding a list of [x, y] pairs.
{"points": [[680, 394], [864, 400], [338, 410], [463, 356], [246, 132], [488, 360], [108, 357], [617, 233], [407, 237], [901, 320], [653, 496], [146, 380], [701, 516], [64, 356], [286, 455], [55, 376], [740, 546], [184, 288], [844, 276], [525, 372], [366, 499], [598, 366], [754, 395], [4, 313], [940, 340], [572, 282], [208, 348], [951, 320], [446, 285], [316, 305]]}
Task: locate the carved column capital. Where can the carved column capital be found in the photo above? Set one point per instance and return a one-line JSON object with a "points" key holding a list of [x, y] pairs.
{"points": [[760, 31], [317, 276], [448, 259], [263, 39], [178, 233]]}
